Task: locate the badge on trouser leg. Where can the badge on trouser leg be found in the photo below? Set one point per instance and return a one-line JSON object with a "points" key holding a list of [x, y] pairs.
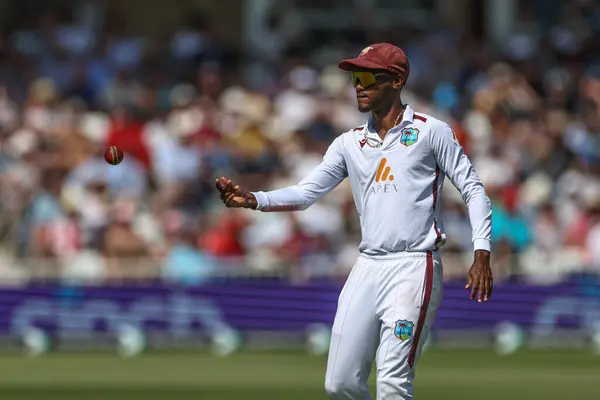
{"points": [[404, 329]]}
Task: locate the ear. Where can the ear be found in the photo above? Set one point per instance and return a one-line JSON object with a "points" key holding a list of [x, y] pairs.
{"points": [[398, 82]]}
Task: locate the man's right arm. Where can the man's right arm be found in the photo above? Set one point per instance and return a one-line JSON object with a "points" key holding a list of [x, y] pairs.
{"points": [[322, 180]]}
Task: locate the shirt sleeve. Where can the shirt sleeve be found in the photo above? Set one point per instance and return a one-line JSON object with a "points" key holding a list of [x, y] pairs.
{"points": [[322, 180], [455, 164]]}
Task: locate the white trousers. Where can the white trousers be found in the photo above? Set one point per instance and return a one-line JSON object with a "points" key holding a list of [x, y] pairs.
{"points": [[385, 311]]}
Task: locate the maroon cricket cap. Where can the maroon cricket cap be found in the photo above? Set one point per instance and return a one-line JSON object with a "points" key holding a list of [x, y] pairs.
{"points": [[380, 56]]}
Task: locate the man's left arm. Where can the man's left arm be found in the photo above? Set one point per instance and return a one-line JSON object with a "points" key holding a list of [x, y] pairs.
{"points": [[453, 161]]}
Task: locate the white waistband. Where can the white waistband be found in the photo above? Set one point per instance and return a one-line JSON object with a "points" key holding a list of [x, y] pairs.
{"points": [[397, 255]]}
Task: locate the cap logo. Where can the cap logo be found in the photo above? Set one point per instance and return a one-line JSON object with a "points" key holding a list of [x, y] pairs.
{"points": [[365, 51]]}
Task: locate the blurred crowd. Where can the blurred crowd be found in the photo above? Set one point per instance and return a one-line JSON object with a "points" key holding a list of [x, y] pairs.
{"points": [[189, 109]]}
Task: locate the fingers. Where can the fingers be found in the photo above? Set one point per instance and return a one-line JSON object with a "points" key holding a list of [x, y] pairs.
{"points": [[486, 288], [472, 283], [230, 200], [223, 183], [231, 195], [225, 187], [470, 286], [480, 281], [489, 283], [474, 288], [482, 289]]}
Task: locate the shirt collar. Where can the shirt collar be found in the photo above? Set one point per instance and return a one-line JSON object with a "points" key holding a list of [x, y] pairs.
{"points": [[409, 114], [407, 118]]}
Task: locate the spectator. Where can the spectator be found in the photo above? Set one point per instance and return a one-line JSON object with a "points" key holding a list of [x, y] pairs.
{"points": [[184, 113], [123, 246], [184, 263]]}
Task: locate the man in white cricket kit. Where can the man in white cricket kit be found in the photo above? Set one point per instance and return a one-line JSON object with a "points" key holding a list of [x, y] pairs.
{"points": [[396, 164]]}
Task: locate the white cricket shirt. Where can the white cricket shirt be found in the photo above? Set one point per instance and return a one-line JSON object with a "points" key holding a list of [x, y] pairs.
{"points": [[396, 184]]}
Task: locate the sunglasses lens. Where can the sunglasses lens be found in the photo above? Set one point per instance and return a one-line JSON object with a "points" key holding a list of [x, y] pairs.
{"points": [[365, 78]]}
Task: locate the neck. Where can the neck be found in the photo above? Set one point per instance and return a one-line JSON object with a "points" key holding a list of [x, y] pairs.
{"points": [[385, 119]]}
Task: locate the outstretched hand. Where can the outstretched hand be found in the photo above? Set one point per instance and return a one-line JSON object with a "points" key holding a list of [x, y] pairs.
{"points": [[480, 279], [233, 196]]}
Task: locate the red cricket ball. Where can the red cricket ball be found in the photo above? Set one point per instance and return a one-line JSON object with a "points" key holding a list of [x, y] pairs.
{"points": [[113, 155]]}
